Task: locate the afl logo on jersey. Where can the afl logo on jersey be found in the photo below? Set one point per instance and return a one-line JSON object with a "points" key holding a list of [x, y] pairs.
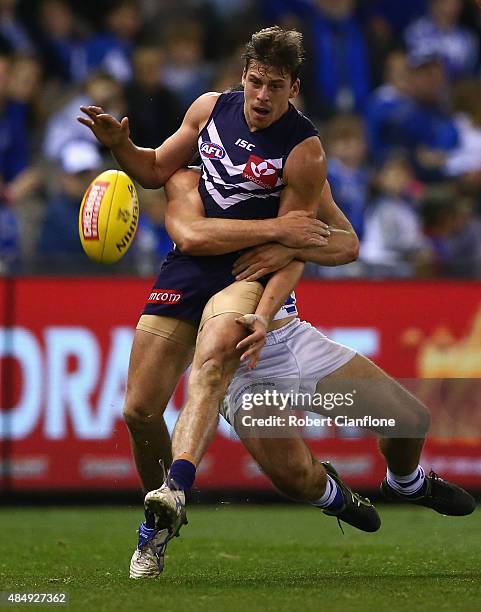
{"points": [[212, 150]]}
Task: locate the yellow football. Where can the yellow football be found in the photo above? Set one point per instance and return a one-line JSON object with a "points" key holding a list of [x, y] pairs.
{"points": [[108, 216]]}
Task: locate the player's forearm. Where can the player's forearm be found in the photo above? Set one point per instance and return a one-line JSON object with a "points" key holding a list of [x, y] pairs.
{"points": [[278, 289], [139, 164], [208, 236], [342, 248]]}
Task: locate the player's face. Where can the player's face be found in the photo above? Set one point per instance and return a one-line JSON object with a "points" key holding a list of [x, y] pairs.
{"points": [[267, 92]]}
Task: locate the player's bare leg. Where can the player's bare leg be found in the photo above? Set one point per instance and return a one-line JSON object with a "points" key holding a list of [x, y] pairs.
{"points": [[380, 396], [288, 462], [215, 362], [156, 365]]}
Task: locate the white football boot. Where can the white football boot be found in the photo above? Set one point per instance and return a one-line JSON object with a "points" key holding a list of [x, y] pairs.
{"points": [[168, 506], [148, 558]]}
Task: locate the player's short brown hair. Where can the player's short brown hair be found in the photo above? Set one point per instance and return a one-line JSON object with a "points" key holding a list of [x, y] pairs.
{"points": [[277, 48]]}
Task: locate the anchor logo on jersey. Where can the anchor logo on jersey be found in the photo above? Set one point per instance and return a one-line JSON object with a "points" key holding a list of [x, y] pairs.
{"points": [[260, 172]]}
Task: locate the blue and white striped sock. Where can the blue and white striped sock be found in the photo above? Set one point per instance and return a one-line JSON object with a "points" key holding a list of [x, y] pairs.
{"points": [[407, 485], [332, 498]]}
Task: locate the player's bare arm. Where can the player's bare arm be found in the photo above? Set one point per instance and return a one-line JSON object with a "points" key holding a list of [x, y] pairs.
{"points": [[342, 246], [150, 167], [305, 174], [196, 234]]}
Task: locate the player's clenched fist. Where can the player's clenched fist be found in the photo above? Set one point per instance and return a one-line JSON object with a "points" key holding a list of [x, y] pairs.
{"points": [[109, 131]]}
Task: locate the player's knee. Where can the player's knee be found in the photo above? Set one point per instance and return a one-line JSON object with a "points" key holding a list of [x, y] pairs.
{"points": [[137, 413], [214, 371]]}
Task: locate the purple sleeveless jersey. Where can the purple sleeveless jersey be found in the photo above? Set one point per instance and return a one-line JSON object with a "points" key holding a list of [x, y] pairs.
{"points": [[241, 178]]}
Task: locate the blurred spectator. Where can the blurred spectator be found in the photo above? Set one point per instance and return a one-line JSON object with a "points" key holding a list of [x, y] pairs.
{"points": [[80, 163], [430, 129], [185, 71], [152, 243], [13, 134], [13, 34], [17, 178], [453, 232], [393, 243], [100, 90], [337, 59], [60, 40], [347, 172], [466, 157], [154, 111], [408, 115], [387, 107], [25, 83], [111, 50], [439, 33]]}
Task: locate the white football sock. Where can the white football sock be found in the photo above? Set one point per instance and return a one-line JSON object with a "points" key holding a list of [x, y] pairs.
{"points": [[406, 485], [329, 494]]}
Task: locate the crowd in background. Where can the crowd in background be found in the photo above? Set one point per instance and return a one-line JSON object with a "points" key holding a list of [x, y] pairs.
{"points": [[394, 87]]}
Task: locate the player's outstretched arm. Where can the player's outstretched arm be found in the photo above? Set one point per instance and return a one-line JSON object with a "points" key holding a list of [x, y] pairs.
{"points": [[196, 234], [150, 167]]}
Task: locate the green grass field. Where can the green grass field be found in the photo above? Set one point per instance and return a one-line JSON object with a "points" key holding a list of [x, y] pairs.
{"points": [[247, 558]]}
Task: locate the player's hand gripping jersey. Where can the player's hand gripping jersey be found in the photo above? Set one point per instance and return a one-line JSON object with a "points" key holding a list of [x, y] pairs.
{"points": [[242, 178]]}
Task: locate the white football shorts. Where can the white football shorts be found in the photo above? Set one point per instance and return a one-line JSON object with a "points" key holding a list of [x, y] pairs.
{"points": [[294, 358]]}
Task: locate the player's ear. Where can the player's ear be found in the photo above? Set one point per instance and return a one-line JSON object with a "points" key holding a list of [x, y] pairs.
{"points": [[244, 74], [295, 88]]}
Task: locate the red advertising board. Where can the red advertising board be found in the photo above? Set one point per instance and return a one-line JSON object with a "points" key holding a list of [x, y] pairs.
{"points": [[64, 348]]}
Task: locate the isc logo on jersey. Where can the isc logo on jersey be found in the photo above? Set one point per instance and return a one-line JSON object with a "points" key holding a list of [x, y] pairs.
{"points": [[108, 217], [260, 172], [211, 150]]}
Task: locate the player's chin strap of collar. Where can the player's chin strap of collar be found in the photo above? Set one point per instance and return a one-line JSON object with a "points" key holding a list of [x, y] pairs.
{"points": [[250, 319]]}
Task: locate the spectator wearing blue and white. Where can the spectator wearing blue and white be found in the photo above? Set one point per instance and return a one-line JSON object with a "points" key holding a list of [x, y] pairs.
{"points": [[412, 117], [338, 76], [80, 162], [440, 33], [393, 243], [386, 108], [464, 162], [111, 50], [347, 169], [17, 178], [429, 127], [100, 89]]}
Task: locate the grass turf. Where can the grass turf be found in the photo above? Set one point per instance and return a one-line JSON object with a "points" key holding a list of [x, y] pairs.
{"points": [[247, 558]]}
